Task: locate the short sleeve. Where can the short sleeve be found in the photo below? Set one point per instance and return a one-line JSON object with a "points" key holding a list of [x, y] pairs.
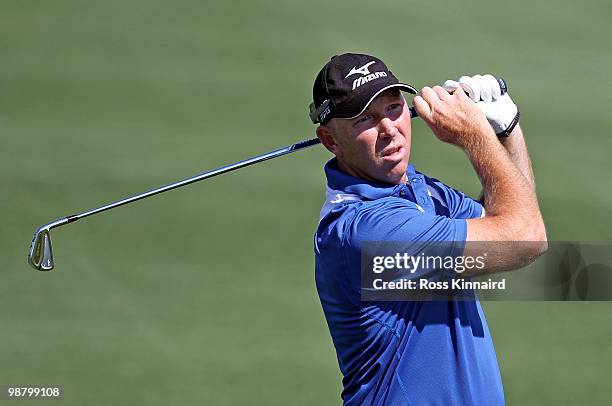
{"points": [[460, 206], [402, 220], [463, 207], [390, 227]]}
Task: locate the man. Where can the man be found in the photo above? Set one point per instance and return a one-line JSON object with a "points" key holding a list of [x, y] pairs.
{"points": [[415, 352]]}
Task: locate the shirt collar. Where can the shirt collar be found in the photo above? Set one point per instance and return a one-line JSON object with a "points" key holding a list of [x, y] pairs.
{"points": [[338, 180]]}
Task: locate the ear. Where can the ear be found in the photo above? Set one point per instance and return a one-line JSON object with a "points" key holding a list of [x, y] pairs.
{"points": [[325, 135]]}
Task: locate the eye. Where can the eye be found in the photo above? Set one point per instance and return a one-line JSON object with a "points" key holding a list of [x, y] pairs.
{"points": [[395, 110], [363, 119]]}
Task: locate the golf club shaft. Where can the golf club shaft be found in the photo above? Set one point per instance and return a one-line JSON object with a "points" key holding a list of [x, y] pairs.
{"points": [[224, 169], [40, 256]]}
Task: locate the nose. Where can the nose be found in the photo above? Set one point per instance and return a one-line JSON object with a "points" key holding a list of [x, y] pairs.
{"points": [[386, 128]]}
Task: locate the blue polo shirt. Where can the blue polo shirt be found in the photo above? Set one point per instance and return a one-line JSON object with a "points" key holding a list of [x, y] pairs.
{"points": [[400, 352]]}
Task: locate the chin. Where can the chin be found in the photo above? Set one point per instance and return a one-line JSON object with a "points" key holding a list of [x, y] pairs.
{"points": [[396, 174]]}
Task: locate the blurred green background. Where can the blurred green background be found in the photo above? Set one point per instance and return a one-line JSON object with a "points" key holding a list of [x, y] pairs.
{"points": [[206, 295]]}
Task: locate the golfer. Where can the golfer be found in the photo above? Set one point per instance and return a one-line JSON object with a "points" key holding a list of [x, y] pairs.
{"points": [[416, 352]]}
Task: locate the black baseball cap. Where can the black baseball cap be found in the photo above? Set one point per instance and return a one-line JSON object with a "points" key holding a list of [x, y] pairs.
{"points": [[348, 83]]}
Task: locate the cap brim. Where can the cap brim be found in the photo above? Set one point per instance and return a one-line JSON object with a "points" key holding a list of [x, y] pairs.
{"points": [[402, 86]]}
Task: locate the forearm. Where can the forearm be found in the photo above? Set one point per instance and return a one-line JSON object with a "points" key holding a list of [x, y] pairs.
{"points": [[516, 147], [507, 193], [511, 232], [512, 212], [513, 225]]}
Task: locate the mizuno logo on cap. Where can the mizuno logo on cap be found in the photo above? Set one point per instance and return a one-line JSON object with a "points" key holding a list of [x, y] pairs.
{"points": [[364, 70], [366, 75]]}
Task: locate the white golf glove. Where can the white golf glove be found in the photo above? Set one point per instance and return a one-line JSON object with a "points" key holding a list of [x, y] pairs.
{"points": [[501, 112]]}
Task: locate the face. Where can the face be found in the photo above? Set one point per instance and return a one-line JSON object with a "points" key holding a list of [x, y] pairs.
{"points": [[375, 145]]}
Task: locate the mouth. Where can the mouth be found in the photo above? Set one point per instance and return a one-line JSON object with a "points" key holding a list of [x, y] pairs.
{"points": [[392, 152]]}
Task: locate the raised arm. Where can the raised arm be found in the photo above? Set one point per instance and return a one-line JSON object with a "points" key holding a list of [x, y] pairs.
{"points": [[512, 212]]}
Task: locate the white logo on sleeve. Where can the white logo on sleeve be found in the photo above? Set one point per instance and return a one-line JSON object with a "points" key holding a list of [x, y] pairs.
{"points": [[366, 75]]}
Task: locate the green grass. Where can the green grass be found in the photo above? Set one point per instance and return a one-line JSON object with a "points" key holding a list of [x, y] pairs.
{"points": [[206, 295]]}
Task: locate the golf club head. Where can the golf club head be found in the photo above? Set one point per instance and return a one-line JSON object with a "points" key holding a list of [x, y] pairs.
{"points": [[41, 254]]}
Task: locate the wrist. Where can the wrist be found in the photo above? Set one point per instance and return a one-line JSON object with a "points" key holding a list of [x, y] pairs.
{"points": [[513, 138]]}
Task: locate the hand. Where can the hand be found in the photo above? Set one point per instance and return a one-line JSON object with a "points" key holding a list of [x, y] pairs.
{"points": [[500, 110], [453, 118]]}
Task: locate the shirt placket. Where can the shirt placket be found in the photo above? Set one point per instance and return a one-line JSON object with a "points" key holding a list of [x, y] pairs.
{"points": [[419, 188]]}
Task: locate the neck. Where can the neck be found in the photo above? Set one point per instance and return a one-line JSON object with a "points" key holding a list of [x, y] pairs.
{"points": [[365, 176]]}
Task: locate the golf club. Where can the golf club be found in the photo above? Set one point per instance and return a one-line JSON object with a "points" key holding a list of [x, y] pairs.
{"points": [[41, 253], [40, 256]]}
